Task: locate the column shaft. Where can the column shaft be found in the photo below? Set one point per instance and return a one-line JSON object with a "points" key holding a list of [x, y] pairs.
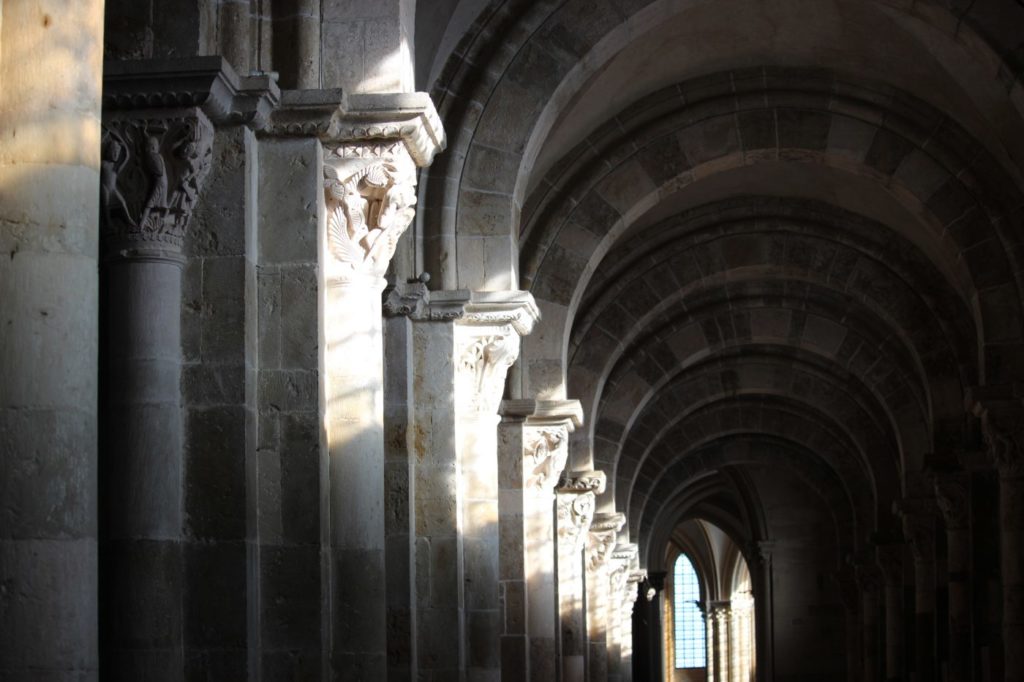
{"points": [[1011, 517], [353, 366], [50, 66], [143, 563]]}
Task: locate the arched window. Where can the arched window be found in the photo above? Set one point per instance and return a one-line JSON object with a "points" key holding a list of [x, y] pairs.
{"points": [[690, 638]]}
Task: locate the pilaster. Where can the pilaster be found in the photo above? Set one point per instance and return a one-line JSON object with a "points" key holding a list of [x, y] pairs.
{"points": [[575, 506], [366, 150], [1000, 410], [533, 450], [601, 540]]}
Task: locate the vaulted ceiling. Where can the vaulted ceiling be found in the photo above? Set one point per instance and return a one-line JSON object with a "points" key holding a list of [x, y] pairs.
{"points": [[762, 234]]}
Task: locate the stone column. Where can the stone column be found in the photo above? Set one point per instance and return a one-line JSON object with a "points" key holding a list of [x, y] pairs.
{"points": [[155, 157], [869, 582], [850, 596], [50, 172], [890, 560], [629, 599], [370, 191], [953, 497], [764, 610], [155, 163], [533, 451], [575, 504], [600, 544], [463, 344], [487, 339], [1002, 422], [656, 651], [718, 641], [400, 301], [618, 580], [919, 517]]}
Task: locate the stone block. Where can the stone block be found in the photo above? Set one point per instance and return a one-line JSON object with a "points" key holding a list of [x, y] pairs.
{"points": [[300, 665], [49, 605], [439, 642], [509, 118], [215, 485], [268, 288], [803, 129], [210, 384], [300, 477], [290, 599], [485, 213], [47, 484], [35, 367], [850, 137], [345, 66], [480, 573], [299, 326], [491, 170], [223, 336], [215, 595], [30, 220], [290, 189], [711, 139], [229, 665], [887, 151], [144, 583], [513, 657], [483, 629]]}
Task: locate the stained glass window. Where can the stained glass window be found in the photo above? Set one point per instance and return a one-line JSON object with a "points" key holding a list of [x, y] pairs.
{"points": [[690, 639]]}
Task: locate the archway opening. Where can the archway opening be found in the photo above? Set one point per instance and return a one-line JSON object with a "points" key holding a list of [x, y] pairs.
{"points": [[710, 624]]}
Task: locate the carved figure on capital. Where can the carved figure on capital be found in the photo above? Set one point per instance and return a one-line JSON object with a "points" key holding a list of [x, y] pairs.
{"points": [[602, 538], [952, 495], [546, 453], [370, 192], [575, 512], [1002, 425], [151, 174]]}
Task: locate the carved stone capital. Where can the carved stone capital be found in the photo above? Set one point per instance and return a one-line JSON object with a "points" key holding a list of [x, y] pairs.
{"points": [[601, 539], [207, 83], [407, 299], [918, 516], [370, 192], [334, 116], [574, 513], [952, 496], [153, 167], [582, 482], [487, 344], [1002, 425], [545, 453], [765, 552], [890, 560]]}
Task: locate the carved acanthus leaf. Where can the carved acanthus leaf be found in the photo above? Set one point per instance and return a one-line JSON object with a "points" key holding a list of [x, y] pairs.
{"points": [[370, 192], [151, 173], [483, 363]]}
